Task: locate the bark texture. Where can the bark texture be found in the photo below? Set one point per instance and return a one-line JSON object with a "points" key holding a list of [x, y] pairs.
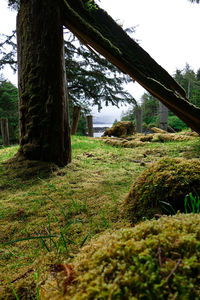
{"points": [[75, 119], [5, 132], [98, 30], [44, 121], [90, 126]]}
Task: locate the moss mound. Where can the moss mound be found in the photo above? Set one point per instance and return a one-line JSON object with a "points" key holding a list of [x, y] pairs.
{"points": [[120, 129], [158, 259], [162, 188]]}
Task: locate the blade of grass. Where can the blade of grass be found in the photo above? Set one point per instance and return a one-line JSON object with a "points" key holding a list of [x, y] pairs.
{"points": [[30, 238], [12, 288], [168, 205], [85, 239]]}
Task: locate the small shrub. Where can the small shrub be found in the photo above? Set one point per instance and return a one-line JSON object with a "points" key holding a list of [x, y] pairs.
{"points": [[165, 182]]}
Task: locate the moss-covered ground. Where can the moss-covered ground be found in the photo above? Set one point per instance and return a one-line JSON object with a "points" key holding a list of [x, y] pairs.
{"points": [[46, 217]]}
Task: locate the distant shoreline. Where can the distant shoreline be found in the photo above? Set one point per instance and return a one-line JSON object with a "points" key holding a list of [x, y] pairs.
{"points": [[98, 127]]}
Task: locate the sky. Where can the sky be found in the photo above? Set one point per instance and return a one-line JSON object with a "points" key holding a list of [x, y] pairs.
{"points": [[166, 29]]}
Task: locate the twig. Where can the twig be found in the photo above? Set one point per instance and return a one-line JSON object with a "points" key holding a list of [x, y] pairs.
{"points": [[174, 270], [159, 254], [22, 276]]}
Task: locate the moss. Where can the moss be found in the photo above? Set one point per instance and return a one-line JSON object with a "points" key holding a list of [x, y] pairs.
{"points": [[120, 129], [137, 140], [168, 180], [158, 130], [21, 168], [169, 137], [125, 264]]}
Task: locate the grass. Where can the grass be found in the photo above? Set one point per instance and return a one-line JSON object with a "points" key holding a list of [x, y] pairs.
{"points": [[45, 220]]}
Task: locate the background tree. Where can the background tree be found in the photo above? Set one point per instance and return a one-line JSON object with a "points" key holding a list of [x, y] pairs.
{"points": [[9, 107], [191, 83], [8, 49], [194, 1], [92, 80]]}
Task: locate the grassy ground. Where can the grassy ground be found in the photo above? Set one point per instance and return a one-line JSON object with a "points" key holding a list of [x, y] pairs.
{"points": [[47, 219]]}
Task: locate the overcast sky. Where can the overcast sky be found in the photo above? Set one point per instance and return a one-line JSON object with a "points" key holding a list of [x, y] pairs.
{"points": [[167, 29]]}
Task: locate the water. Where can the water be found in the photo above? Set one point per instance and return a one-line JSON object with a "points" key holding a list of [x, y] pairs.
{"points": [[97, 128]]}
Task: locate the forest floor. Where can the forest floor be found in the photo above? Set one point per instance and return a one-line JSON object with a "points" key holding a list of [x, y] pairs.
{"points": [[45, 220]]}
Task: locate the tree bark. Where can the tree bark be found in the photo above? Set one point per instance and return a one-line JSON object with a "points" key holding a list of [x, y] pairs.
{"points": [[163, 120], [44, 116], [90, 126], [75, 119], [138, 119], [5, 132]]}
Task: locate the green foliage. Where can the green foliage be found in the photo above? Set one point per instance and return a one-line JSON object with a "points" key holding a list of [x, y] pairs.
{"points": [[190, 81], [150, 110], [192, 204], [8, 50], [162, 185], [90, 5], [92, 80], [9, 106], [176, 123], [14, 4]]}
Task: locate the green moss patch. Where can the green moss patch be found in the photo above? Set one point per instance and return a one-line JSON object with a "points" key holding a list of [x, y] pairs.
{"points": [[162, 187], [158, 259]]}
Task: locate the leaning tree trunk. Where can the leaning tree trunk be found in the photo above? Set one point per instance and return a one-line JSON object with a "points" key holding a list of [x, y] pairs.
{"points": [[44, 121], [75, 118], [113, 43], [90, 126], [5, 132], [163, 119]]}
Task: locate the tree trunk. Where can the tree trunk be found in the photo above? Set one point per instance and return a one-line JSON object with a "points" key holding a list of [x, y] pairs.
{"points": [[163, 121], [44, 117], [75, 119], [138, 119], [5, 132], [90, 126]]}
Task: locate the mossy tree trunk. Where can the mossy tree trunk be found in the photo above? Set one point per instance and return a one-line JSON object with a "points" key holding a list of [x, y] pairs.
{"points": [[44, 120], [90, 126], [75, 119], [5, 132]]}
